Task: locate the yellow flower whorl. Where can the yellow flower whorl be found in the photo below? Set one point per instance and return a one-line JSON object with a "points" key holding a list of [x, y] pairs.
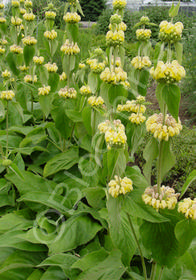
{"points": [[120, 186]]}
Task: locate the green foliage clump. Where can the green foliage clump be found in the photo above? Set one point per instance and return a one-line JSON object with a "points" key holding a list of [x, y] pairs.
{"points": [[92, 9]]}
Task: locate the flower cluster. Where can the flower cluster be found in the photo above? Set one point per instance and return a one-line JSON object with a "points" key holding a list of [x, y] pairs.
{"points": [[51, 67], [115, 136], [96, 67], [29, 16], [50, 15], [16, 49], [94, 101], [70, 48], [137, 118], [22, 11], [67, 92], [23, 68], [170, 32], [135, 106], [51, 35], [166, 198], [144, 20], [143, 34], [115, 38], [2, 20], [114, 77], [15, 4], [63, 77], [44, 90], [188, 208], [120, 186], [85, 90], [7, 95], [38, 60], [81, 65], [16, 21], [119, 4], [30, 79], [2, 6], [139, 62], [28, 4], [29, 41], [168, 72], [163, 129], [72, 18], [2, 50], [6, 74]]}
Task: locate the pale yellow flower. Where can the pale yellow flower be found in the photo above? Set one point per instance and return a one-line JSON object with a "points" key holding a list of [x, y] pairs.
{"points": [[16, 49], [51, 35], [45, 90], [70, 48], [29, 41], [7, 95], [71, 17], [163, 130], [51, 67], [188, 208], [94, 101], [30, 79], [167, 198], [67, 93], [120, 186], [38, 60]]}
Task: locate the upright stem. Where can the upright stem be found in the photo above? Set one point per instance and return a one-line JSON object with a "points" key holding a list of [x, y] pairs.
{"points": [[140, 250], [68, 72], [161, 272], [7, 129], [31, 102], [153, 271]]}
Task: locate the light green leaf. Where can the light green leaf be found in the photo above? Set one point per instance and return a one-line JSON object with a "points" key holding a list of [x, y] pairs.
{"points": [[62, 161], [159, 96], [140, 210], [64, 261], [174, 10], [70, 239], [179, 51], [111, 268], [53, 273], [93, 81], [36, 275], [29, 52]]}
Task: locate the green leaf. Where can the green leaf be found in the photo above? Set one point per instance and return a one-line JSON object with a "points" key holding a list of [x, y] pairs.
{"points": [[86, 116], [174, 10], [116, 162], [46, 104], [12, 63], [53, 81], [104, 90], [191, 177], [116, 93], [72, 30], [120, 230], [21, 259], [94, 196], [64, 261], [159, 96], [74, 115], [171, 95], [36, 275], [13, 167], [111, 268], [179, 51], [79, 8], [53, 273], [158, 54], [135, 136], [185, 232], [160, 239], [140, 210], [52, 200], [143, 82], [63, 161], [167, 158], [150, 153], [29, 52], [70, 239], [93, 81]]}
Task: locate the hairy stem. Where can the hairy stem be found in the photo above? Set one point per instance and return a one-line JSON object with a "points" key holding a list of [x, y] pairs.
{"points": [[153, 271]]}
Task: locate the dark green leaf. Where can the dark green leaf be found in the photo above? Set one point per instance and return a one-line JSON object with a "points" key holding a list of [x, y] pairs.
{"points": [[62, 161], [171, 95], [29, 52], [191, 177]]}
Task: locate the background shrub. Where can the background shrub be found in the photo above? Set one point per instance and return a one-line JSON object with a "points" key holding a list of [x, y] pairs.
{"points": [[92, 9]]}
